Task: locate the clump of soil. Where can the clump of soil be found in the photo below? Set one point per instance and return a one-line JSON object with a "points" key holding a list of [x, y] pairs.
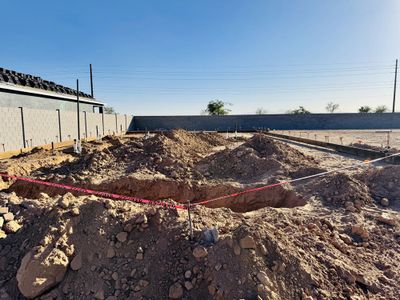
{"points": [[343, 189], [258, 158]]}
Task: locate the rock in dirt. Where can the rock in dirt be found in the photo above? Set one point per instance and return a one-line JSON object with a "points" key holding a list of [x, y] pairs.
{"points": [[385, 202], [14, 199], [175, 291], [386, 219], [110, 252], [3, 210], [188, 285], [2, 234], [75, 211], [36, 276], [264, 279], [1, 222], [360, 231], [141, 219], [200, 252], [99, 294], [76, 262], [247, 243], [11, 227], [122, 236], [8, 217], [210, 235], [237, 250], [66, 200]]}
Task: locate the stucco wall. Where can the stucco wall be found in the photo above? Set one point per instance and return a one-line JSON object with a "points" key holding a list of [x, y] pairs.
{"points": [[37, 102]]}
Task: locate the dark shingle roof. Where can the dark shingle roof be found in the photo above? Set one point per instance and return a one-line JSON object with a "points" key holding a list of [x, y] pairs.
{"points": [[13, 77]]}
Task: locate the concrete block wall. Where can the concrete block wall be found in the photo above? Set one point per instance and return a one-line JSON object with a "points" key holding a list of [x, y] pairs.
{"points": [[110, 126], [41, 127], [69, 127], [280, 122], [46, 126], [121, 126], [94, 125], [10, 129]]}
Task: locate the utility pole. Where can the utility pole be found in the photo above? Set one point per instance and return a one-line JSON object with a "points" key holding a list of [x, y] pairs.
{"points": [[394, 90], [91, 81], [77, 108]]}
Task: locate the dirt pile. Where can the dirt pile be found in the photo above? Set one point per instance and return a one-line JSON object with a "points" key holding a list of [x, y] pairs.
{"points": [[383, 182], [257, 159], [375, 148], [172, 154], [321, 239], [343, 190], [25, 164], [74, 248]]}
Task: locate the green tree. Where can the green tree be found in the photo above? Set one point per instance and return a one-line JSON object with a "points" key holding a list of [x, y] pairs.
{"points": [[332, 107], [217, 107], [109, 110], [300, 111], [381, 109], [364, 109], [261, 111]]}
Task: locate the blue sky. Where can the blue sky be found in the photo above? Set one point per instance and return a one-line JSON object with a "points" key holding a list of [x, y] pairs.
{"points": [[173, 57]]}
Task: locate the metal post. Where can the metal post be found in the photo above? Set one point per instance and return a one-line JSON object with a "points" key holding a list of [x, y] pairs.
{"points": [[394, 89], [77, 109], [86, 131], [190, 221], [91, 81], [23, 126], [59, 124]]}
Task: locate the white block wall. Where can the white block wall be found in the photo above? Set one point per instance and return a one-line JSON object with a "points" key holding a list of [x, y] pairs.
{"points": [[43, 126]]}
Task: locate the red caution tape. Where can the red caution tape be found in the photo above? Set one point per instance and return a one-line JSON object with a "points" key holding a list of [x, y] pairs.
{"points": [[169, 205], [93, 192]]}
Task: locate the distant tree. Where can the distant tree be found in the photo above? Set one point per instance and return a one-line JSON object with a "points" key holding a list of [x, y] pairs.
{"points": [[261, 111], [300, 111], [381, 109], [332, 107], [364, 109], [217, 107], [109, 110]]}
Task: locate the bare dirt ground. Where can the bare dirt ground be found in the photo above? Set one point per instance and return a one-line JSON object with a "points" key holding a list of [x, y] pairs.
{"points": [[375, 138], [333, 237]]}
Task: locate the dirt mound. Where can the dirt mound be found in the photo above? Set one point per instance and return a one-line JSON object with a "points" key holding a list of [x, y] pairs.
{"points": [[342, 189], [171, 154], [278, 243], [375, 148], [256, 159], [383, 182], [74, 248], [26, 163]]}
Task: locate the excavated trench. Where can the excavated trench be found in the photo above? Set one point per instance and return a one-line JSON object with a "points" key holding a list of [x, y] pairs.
{"points": [[179, 191]]}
